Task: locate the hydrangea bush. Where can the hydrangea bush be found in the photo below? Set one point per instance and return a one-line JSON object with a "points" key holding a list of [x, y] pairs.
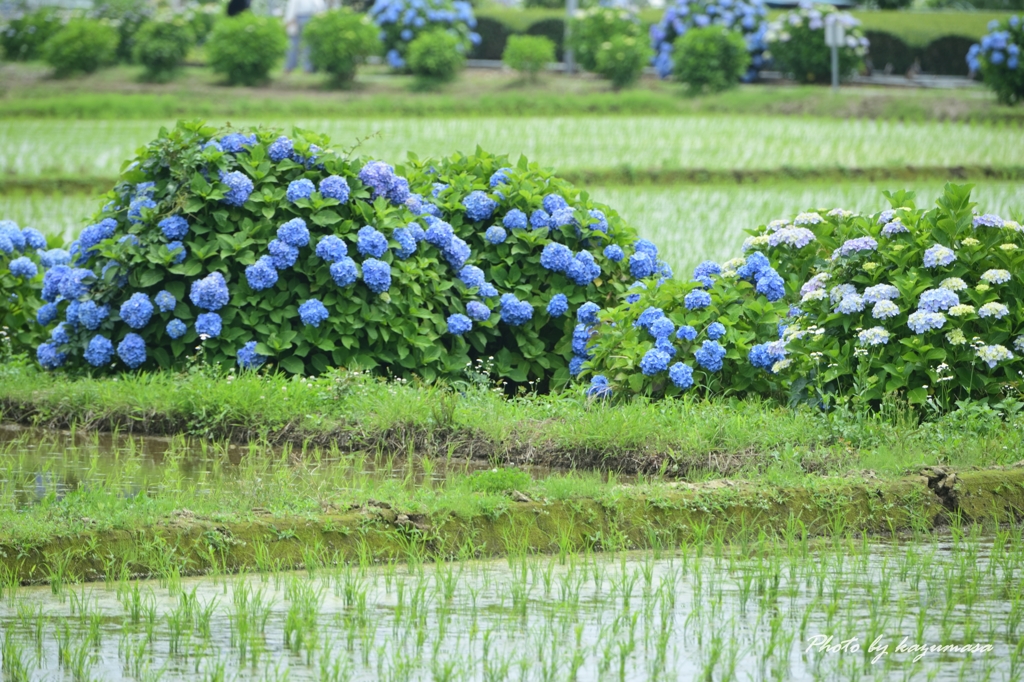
{"points": [[260, 247], [746, 17], [796, 43], [402, 21], [24, 258], [997, 59], [924, 304], [596, 27]]}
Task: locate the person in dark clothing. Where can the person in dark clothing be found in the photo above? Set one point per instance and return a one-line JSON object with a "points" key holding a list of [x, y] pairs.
{"points": [[237, 7]]}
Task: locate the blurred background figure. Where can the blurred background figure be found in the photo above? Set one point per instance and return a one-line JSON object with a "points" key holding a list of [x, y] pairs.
{"points": [[296, 15], [237, 7]]}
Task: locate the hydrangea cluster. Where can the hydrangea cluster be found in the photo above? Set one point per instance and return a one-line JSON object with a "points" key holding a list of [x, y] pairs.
{"points": [[796, 42], [401, 21], [997, 58], [745, 16]]}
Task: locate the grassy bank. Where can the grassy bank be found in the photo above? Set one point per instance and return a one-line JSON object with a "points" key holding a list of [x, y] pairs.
{"points": [[116, 93]]}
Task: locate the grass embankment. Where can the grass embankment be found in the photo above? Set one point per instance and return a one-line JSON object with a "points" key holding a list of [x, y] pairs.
{"points": [[332, 492], [27, 91]]}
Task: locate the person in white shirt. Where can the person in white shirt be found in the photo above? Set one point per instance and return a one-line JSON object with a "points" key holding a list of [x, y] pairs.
{"points": [[296, 15]]}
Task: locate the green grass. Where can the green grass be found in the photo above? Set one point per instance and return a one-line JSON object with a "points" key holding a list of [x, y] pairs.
{"points": [[689, 223], [66, 149], [116, 93]]}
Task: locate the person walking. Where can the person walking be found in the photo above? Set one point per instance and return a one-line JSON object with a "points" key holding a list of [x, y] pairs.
{"points": [[296, 15]]}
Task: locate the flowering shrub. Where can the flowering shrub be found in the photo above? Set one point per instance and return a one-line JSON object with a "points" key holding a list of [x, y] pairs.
{"points": [[266, 248], [621, 60], [339, 41], [161, 47], [23, 259], [593, 28], [713, 59], [22, 38], [928, 305], [796, 41], [743, 16], [436, 56], [402, 21], [997, 58], [246, 47], [81, 46]]}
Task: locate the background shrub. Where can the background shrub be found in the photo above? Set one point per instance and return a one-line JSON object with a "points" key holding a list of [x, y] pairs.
{"points": [[553, 30], [21, 276], [711, 58], [594, 27], [998, 58], [494, 36], [246, 47], [528, 54], [81, 46], [797, 44], [128, 17], [745, 17], [161, 47], [887, 49], [402, 21], [622, 59], [339, 41], [200, 201], [436, 55], [22, 39]]}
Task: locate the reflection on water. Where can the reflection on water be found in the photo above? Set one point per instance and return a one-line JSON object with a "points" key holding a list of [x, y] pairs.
{"points": [[680, 615]]}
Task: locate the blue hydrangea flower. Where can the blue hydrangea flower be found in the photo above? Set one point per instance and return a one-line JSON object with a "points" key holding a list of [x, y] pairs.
{"points": [[136, 206], [765, 355], [894, 227], [52, 281], [500, 177], [561, 218], [716, 330], [539, 219], [23, 267], [417, 232], [881, 292], [884, 310], [754, 265], [938, 256], [709, 355], [344, 272], [697, 299], [853, 246], [132, 350], [558, 305], [935, 300], [313, 312], [262, 274], [137, 310], [599, 388], [614, 253], [91, 314], [707, 269], [280, 149], [923, 321], [335, 187], [576, 365], [665, 345], [661, 328], [5, 244], [580, 339], [478, 311], [687, 333], [248, 358], [302, 188], [771, 285], [649, 317], [471, 276], [457, 253], [382, 181], [210, 293], [587, 313], [92, 235], [987, 220], [459, 324], [583, 269], [495, 234], [239, 188], [876, 336], [176, 328], [283, 255], [654, 361], [54, 257], [208, 324], [556, 257], [487, 290], [406, 242], [59, 334], [437, 188], [74, 283], [851, 303], [371, 242], [34, 239], [553, 202], [235, 143], [515, 312], [331, 248], [49, 356], [515, 220], [600, 220], [178, 252], [479, 206], [681, 375], [439, 233], [294, 233], [99, 352], [641, 265], [376, 275], [46, 314]]}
